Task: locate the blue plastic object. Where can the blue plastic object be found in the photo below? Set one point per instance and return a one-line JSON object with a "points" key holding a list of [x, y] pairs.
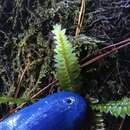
{"points": [[60, 111]]}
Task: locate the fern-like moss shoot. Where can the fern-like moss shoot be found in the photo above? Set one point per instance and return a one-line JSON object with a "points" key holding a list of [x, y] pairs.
{"points": [[117, 108], [67, 67]]}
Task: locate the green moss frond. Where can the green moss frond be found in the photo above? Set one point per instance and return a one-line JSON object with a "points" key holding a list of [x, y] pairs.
{"points": [[117, 108], [67, 67], [18, 101]]}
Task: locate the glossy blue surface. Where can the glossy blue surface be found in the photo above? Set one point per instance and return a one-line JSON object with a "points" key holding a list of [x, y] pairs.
{"points": [[60, 111]]}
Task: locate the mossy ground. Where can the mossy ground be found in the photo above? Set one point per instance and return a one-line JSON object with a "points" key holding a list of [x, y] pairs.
{"points": [[27, 49]]}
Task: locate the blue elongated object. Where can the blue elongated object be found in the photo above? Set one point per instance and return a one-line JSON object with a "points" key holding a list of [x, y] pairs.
{"points": [[60, 111]]}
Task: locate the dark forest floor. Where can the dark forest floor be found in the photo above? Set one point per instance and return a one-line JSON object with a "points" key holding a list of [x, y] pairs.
{"points": [[26, 48]]}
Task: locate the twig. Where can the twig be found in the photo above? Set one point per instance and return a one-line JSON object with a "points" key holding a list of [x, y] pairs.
{"points": [[21, 77], [122, 123], [102, 55], [42, 90], [107, 48], [81, 17]]}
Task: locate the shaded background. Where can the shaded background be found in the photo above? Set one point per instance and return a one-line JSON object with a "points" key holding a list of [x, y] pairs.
{"points": [[25, 37]]}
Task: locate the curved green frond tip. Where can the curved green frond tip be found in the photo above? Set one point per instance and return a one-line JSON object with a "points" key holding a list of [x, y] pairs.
{"points": [[66, 62], [119, 108]]}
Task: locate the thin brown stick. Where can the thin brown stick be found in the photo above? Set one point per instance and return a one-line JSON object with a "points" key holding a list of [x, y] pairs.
{"points": [[122, 123], [81, 17], [22, 75], [42, 90], [104, 49], [21, 78], [83, 14], [103, 55]]}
